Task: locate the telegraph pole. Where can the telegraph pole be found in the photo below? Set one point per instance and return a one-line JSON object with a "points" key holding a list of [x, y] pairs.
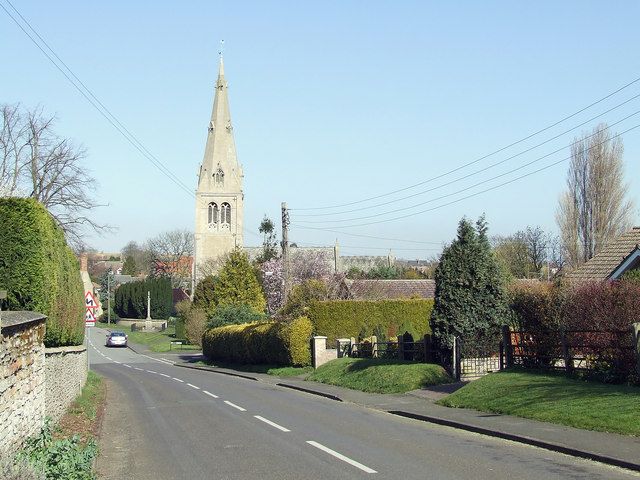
{"points": [[285, 249], [108, 297]]}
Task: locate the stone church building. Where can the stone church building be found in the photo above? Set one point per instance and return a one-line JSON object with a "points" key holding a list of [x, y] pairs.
{"points": [[220, 199], [219, 196]]}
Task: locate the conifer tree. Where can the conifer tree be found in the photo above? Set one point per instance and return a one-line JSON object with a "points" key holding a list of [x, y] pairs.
{"points": [[469, 299], [237, 283], [129, 266], [204, 295]]}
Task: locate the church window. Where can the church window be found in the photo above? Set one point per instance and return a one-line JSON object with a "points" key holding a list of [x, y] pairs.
{"points": [[225, 218], [218, 177], [213, 213]]}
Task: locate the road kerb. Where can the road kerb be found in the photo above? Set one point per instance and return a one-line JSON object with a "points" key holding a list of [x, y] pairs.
{"points": [[522, 439]]}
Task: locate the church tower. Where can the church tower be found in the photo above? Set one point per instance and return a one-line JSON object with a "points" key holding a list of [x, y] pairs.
{"points": [[219, 197]]}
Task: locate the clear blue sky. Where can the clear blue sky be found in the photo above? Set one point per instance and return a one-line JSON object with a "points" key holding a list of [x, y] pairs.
{"points": [[332, 102]]}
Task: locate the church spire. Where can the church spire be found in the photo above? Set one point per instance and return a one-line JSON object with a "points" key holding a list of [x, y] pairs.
{"points": [[220, 152]]}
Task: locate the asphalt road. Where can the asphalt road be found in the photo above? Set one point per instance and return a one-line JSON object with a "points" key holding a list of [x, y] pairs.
{"points": [[167, 422]]}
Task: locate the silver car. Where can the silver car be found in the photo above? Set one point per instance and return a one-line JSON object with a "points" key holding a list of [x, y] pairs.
{"points": [[116, 339]]}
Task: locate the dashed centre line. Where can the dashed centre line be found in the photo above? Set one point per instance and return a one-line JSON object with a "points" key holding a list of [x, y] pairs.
{"points": [[178, 380], [210, 394], [193, 386], [237, 407], [273, 424], [141, 369], [165, 375], [339, 456], [151, 371], [125, 365]]}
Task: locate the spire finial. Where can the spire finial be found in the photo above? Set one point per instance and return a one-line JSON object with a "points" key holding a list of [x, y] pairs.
{"points": [[221, 54]]}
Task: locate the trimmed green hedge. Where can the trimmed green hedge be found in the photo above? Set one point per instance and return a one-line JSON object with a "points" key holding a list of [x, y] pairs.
{"points": [[131, 298], [39, 271], [275, 343], [348, 318]]}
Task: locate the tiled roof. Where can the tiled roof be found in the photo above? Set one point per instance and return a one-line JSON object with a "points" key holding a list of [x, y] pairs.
{"points": [[386, 289], [612, 255]]}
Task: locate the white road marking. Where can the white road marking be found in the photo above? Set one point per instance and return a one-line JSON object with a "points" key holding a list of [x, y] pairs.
{"points": [[210, 394], [273, 424], [116, 361], [193, 386], [109, 358], [158, 359], [165, 375], [125, 365], [178, 380], [235, 406], [151, 371], [339, 456], [142, 370]]}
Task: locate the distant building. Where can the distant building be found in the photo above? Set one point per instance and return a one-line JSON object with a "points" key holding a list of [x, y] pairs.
{"points": [[614, 260], [389, 289]]}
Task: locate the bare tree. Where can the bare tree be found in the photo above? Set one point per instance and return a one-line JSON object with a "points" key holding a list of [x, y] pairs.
{"points": [[171, 255], [141, 256], [37, 163], [594, 208], [537, 242]]}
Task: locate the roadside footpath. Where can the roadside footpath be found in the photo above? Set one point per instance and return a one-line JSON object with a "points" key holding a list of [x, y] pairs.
{"points": [[613, 449]]}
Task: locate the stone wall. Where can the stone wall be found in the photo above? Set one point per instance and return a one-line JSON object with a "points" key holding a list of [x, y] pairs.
{"points": [[22, 377], [65, 375]]}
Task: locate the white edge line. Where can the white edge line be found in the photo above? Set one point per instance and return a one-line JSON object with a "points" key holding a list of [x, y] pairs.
{"points": [[339, 456], [235, 406], [210, 394], [178, 380], [193, 386], [273, 424]]}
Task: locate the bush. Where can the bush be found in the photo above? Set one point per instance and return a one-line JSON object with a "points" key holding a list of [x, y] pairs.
{"points": [[39, 271], [275, 343], [348, 318], [237, 283], [182, 310], [195, 325], [131, 298], [302, 295], [204, 294], [234, 315]]}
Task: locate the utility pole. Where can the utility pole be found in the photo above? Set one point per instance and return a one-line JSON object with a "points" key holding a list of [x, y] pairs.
{"points": [[285, 249], [108, 297]]}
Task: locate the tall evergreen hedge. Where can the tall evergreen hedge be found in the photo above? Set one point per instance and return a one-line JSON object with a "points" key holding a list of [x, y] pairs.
{"points": [[131, 298], [39, 270], [348, 318]]}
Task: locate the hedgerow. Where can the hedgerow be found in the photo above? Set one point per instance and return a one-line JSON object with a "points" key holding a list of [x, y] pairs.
{"points": [[277, 343], [349, 318], [39, 270], [131, 298]]}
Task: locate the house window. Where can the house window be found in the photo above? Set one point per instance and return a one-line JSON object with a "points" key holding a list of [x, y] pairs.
{"points": [[225, 217], [213, 213]]}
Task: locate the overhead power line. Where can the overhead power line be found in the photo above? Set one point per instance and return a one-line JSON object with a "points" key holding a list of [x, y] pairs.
{"points": [[546, 167], [484, 169], [92, 98], [361, 235], [495, 152], [400, 209]]}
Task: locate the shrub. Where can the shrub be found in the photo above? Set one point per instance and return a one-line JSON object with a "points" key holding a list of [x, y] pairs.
{"points": [[302, 295], [237, 283], [469, 299], [632, 276], [182, 310], [131, 298], [348, 318], [234, 315], [195, 326], [39, 271], [277, 343], [204, 294]]}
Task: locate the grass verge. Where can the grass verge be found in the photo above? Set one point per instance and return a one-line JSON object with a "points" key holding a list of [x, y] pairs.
{"points": [[85, 413], [553, 398], [155, 341], [276, 370], [378, 375]]}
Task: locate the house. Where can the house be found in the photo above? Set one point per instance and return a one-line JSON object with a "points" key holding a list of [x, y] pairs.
{"points": [[614, 260], [366, 289]]}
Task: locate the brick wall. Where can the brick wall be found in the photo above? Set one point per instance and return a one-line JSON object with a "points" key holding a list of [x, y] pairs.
{"points": [[22, 377]]}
